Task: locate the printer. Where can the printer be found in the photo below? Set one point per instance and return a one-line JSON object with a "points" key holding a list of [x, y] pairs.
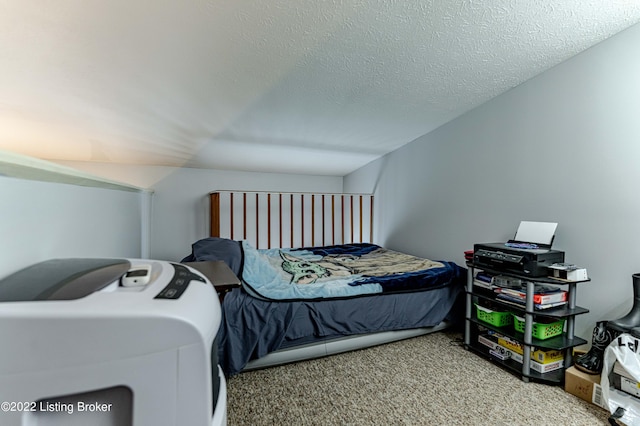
{"points": [[528, 253], [126, 342]]}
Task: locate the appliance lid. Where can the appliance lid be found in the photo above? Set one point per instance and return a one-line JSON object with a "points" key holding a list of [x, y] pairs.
{"points": [[61, 279]]}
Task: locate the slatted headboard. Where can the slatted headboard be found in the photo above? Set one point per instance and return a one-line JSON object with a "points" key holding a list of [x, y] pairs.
{"points": [[291, 219]]}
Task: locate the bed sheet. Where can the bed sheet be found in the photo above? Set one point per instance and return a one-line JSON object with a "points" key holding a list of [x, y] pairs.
{"points": [[252, 328]]}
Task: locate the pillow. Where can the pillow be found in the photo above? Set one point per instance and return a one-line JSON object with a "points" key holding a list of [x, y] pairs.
{"points": [[214, 248]]}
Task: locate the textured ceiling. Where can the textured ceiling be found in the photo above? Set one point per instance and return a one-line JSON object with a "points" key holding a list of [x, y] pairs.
{"points": [[304, 86]]}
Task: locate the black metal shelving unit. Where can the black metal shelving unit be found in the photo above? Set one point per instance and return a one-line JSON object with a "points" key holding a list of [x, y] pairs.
{"points": [[564, 342]]}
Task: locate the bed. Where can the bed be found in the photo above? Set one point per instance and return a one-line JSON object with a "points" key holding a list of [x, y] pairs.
{"points": [[313, 283]]}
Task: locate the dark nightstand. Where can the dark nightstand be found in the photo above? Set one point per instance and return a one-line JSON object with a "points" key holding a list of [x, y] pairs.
{"points": [[220, 275]]}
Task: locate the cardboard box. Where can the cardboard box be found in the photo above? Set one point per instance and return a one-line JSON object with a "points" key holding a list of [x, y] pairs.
{"points": [[624, 381], [538, 355], [536, 366], [569, 272], [584, 386], [503, 353]]}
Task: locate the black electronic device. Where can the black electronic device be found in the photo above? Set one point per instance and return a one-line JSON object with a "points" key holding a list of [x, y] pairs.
{"points": [[529, 253], [501, 257]]}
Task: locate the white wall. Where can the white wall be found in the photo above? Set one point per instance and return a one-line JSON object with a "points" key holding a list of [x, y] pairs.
{"points": [[562, 147], [180, 197], [44, 220]]}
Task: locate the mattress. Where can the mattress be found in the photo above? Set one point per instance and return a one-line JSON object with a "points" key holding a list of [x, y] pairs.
{"points": [[252, 328]]}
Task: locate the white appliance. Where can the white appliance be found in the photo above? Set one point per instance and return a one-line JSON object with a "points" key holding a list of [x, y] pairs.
{"points": [[123, 342]]}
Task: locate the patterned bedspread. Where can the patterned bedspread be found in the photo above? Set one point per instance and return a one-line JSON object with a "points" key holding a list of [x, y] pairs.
{"points": [[339, 272]]}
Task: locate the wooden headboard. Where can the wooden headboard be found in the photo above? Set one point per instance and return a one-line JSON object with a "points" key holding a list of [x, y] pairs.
{"points": [[291, 219]]}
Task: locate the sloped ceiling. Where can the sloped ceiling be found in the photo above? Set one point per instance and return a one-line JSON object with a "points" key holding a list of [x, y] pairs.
{"points": [[304, 86]]}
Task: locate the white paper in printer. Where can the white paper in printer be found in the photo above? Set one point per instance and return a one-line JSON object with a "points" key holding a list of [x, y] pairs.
{"points": [[536, 232]]}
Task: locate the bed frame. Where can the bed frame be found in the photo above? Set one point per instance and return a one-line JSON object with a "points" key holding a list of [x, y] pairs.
{"points": [[281, 220], [340, 345]]}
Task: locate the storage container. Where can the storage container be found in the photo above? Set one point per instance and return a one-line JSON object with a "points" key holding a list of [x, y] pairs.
{"points": [[540, 330], [495, 318]]}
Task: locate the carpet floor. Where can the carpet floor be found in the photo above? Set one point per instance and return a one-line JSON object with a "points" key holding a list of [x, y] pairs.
{"points": [[427, 380]]}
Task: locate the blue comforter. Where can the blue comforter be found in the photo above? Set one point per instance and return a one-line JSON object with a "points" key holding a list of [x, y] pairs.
{"points": [[339, 271]]}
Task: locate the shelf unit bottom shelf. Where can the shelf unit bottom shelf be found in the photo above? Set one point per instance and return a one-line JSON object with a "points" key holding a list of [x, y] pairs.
{"points": [[555, 377]]}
